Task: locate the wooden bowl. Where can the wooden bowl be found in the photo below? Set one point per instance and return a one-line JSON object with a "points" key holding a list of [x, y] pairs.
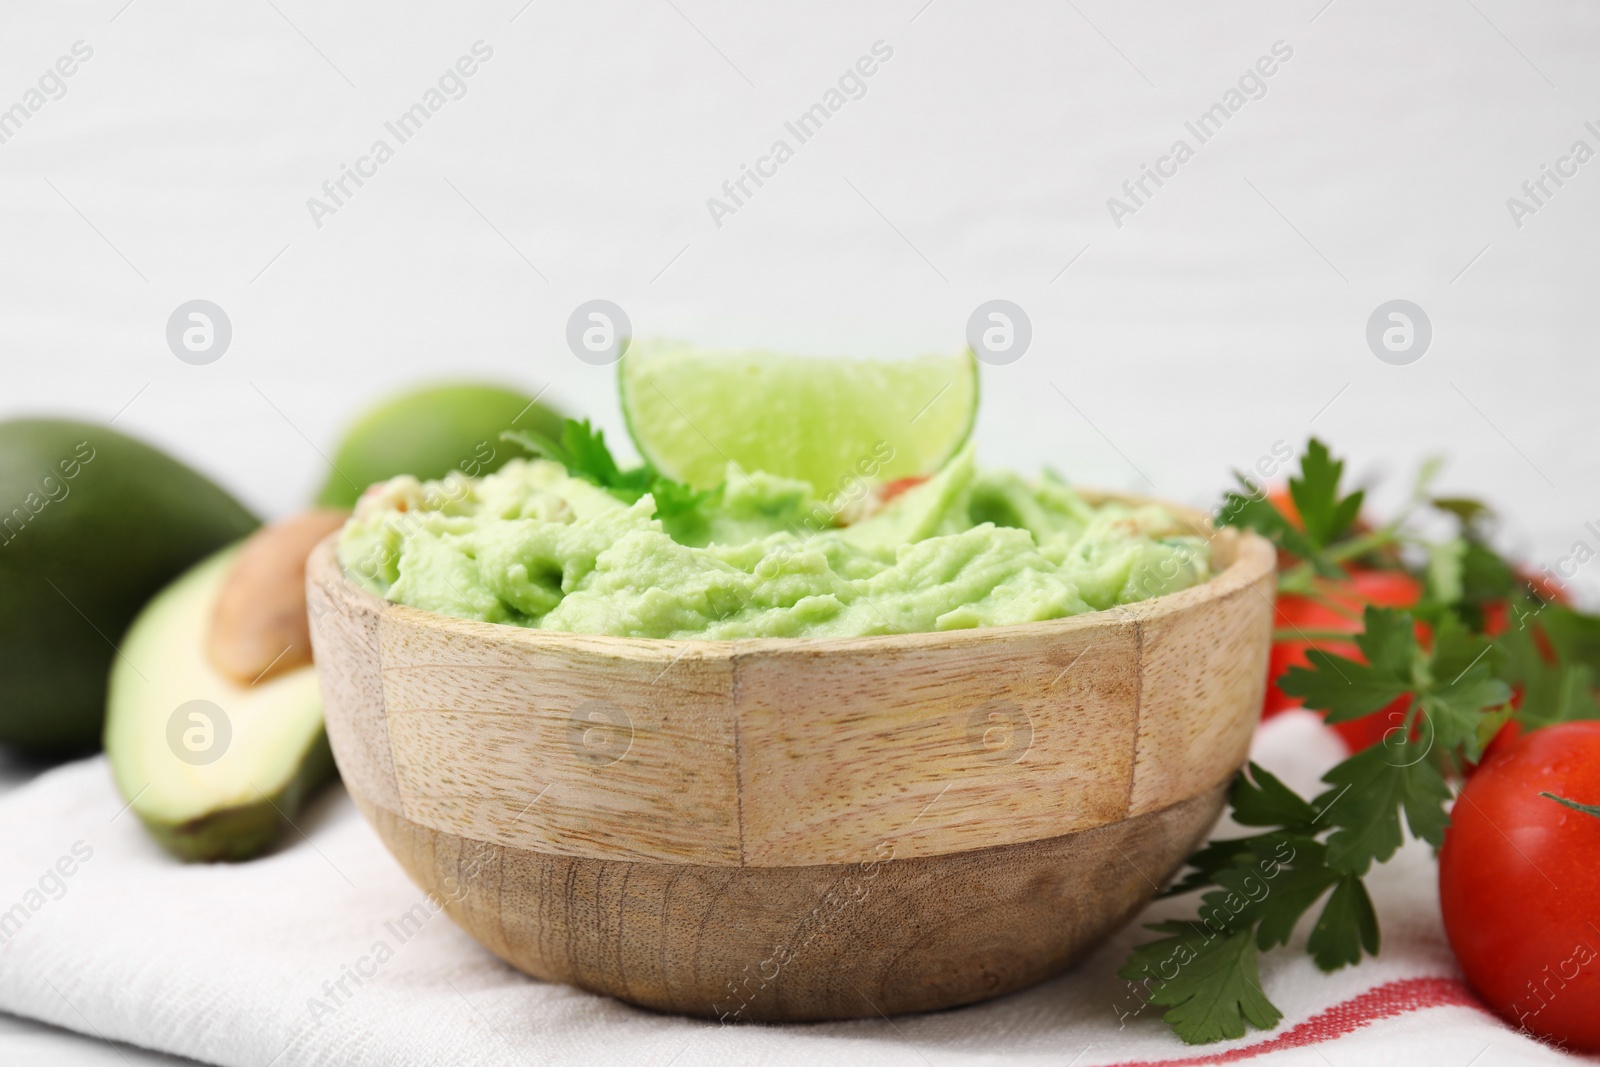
{"points": [[796, 829]]}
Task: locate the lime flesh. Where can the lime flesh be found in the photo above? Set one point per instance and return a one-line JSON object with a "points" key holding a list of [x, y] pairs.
{"points": [[691, 412]]}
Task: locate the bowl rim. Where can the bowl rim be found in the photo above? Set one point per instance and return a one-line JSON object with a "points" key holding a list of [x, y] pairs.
{"points": [[1253, 557]]}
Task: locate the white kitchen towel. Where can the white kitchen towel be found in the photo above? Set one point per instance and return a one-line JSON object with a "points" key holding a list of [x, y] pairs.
{"points": [[253, 964]]}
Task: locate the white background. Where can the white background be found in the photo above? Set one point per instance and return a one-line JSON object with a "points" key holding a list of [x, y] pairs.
{"points": [[1228, 313]]}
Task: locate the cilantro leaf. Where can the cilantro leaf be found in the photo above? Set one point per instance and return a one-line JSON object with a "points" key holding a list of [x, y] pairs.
{"points": [[1214, 987], [1465, 573], [684, 511], [593, 460], [1322, 533], [1460, 687], [1206, 969], [1347, 925]]}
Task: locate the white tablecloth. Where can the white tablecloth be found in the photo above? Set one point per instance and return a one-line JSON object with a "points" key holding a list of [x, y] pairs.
{"points": [[225, 964], [1226, 314]]}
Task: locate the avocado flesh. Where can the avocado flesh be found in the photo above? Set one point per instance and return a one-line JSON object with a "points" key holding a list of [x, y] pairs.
{"points": [[92, 524], [238, 805]]}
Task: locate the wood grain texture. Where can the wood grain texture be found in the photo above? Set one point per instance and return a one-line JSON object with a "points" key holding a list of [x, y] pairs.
{"points": [[1004, 737], [1203, 666], [344, 634], [549, 745], [797, 829], [793, 752], [835, 941]]}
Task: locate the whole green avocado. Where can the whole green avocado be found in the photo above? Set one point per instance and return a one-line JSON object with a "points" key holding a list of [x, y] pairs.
{"points": [[92, 524], [431, 431]]}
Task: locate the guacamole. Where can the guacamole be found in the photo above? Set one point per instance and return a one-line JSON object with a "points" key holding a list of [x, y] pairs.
{"points": [[530, 545]]}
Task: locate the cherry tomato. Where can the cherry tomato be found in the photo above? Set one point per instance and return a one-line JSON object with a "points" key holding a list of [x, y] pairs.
{"points": [[1519, 884]]}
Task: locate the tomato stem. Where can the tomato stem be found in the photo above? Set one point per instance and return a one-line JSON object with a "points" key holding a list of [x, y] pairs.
{"points": [[1587, 809]]}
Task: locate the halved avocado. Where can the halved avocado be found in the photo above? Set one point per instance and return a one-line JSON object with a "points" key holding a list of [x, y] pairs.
{"points": [[215, 769]]}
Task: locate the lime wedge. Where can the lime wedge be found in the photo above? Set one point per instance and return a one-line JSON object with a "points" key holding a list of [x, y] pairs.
{"points": [[691, 412]]}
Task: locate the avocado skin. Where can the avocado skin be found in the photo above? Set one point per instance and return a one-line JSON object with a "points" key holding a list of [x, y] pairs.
{"points": [[431, 431], [247, 831], [76, 569]]}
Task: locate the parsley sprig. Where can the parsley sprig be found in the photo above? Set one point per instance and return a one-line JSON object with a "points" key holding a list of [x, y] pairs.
{"points": [[1443, 675], [582, 450], [1325, 515]]}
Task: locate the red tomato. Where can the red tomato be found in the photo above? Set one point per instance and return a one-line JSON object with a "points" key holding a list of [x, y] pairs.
{"points": [[1504, 740], [1519, 885], [1394, 589]]}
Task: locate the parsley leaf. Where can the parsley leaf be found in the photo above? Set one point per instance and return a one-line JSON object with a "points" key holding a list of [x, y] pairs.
{"points": [[675, 499], [1347, 925], [1326, 515], [1469, 512], [1449, 685], [583, 451], [1215, 982], [1574, 635], [1485, 576], [1346, 689], [1388, 641], [1289, 897], [1543, 654], [1206, 969], [1452, 685], [1261, 799], [1342, 688], [1252, 511], [1370, 790]]}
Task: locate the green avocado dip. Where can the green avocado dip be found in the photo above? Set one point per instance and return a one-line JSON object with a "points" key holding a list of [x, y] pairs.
{"points": [[530, 545]]}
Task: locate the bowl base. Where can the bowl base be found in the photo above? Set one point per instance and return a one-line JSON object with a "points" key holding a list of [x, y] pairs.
{"points": [[836, 941]]}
